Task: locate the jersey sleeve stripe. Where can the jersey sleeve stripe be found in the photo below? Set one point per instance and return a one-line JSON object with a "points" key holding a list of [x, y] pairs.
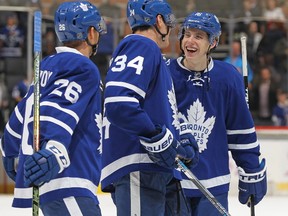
{"points": [[243, 146], [120, 99], [56, 121], [244, 131], [12, 132], [56, 184], [127, 85], [55, 105], [18, 115]]}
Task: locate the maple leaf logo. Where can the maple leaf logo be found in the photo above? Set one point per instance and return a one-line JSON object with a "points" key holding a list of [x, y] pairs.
{"points": [[84, 7], [200, 126], [98, 120], [173, 103]]}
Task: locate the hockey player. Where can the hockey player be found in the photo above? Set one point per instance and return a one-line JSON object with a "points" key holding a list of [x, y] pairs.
{"points": [[67, 166], [211, 101], [140, 125]]}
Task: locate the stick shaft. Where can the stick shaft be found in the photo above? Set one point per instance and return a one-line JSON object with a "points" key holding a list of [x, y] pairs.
{"points": [[245, 77], [245, 67], [36, 114], [202, 188], [252, 206]]}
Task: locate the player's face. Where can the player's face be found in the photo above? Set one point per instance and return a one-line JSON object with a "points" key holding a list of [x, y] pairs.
{"points": [[195, 44]]}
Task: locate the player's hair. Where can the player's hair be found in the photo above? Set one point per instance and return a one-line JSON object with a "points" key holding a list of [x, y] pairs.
{"points": [[73, 19], [144, 13], [204, 21]]}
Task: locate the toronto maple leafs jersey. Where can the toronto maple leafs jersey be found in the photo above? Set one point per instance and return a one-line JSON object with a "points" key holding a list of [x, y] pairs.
{"points": [[212, 103], [139, 94], [70, 113]]}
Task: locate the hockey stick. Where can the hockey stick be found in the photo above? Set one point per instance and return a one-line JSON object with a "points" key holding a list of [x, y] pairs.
{"points": [[201, 187], [36, 116], [245, 67], [252, 206], [245, 76]]}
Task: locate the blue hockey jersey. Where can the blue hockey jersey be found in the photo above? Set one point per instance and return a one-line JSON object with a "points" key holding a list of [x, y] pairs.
{"points": [[212, 103], [138, 95], [70, 113]]}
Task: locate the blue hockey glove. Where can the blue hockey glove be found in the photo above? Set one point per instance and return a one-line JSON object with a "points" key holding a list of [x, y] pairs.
{"points": [[10, 166], [190, 145], [45, 164], [9, 162], [163, 148], [252, 182]]}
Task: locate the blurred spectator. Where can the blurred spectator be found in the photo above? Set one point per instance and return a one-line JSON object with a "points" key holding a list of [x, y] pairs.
{"points": [[266, 48], [20, 90], [273, 12], [49, 43], [280, 52], [4, 103], [284, 7], [236, 60], [11, 38], [264, 96], [251, 9], [280, 110], [256, 7], [253, 40]]}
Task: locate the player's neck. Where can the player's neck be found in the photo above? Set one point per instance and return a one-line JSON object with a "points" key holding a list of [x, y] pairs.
{"points": [[194, 66], [153, 35]]}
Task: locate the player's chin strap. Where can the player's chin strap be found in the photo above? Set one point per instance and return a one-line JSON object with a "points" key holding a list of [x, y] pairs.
{"points": [[94, 47], [163, 35], [207, 67]]}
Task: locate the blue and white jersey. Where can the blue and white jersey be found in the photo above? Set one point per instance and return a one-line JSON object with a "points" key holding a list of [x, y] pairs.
{"points": [[212, 103], [139, 94], [70, 113]]}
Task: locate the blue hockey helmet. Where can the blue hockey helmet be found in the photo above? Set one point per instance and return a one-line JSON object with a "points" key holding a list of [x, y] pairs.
{"points": [[144, 13], [73, 19], [206, 22]]}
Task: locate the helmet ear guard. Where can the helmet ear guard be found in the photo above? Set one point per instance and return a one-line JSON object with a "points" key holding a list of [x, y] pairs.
{"points": [[73, 19]]}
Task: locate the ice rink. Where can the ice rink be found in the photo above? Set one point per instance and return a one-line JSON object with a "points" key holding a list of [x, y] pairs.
{"points": [[271, 205]]}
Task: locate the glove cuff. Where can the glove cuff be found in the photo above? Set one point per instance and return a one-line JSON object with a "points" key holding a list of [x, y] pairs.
{"points": [[60, 153], [160, 145], [255, 177]]}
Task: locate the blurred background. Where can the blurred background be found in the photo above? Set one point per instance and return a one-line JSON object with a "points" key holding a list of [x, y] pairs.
{"points": [[263, 22]]}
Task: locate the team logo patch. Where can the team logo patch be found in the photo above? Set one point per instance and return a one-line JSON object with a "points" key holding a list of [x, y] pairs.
{"points": [[198, 123]]}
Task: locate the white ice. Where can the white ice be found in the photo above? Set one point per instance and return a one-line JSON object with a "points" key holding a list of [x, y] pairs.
{"points": [[270, 205]]}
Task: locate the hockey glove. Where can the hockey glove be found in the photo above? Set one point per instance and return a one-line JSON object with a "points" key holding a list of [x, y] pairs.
{"points": [[10, 167], [45, 164], [163, 148], [252, 182], [190, 145]]}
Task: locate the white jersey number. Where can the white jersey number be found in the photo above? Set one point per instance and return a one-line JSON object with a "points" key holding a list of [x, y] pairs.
{"points": [[71, 93], [120, 64]]}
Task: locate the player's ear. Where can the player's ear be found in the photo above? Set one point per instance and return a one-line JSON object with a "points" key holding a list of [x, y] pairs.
{"points": [[93, 35], [213, 45], [159, 21]]}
